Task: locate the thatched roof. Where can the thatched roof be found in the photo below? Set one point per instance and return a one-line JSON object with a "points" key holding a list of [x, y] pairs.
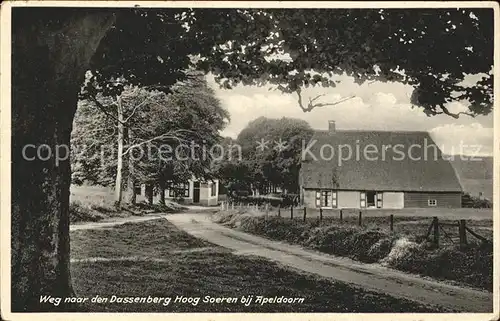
{"points": [[394, 172]]}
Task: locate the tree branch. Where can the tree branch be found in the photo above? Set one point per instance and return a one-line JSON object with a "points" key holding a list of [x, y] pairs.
{"points": [[311, 100], [335, 103], [137, 107], [102, 108], [454, 115], [311, 105]]}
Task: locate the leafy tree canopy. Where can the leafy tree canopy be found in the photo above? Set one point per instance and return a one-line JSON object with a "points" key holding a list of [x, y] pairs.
{"points": [[166, 134], [430, 49], [271, 149]]}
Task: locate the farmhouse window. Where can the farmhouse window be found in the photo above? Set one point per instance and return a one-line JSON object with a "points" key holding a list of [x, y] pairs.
{"points": [[432, 202], [178, 190], [379, 200], [186, 190], [362, 197], [326, 198]]}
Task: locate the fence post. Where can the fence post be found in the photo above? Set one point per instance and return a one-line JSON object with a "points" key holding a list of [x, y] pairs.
{"points": [[392, 222], [462, 233], [341, 216], [305, 213], [435, 221], [291, 212], [279, 210], [320, 214], [359, 219], [232, 205]]}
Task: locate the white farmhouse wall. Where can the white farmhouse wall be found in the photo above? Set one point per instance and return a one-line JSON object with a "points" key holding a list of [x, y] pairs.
{"points": [[393, 200], [348, 199], [213, 200], [206, 198]]}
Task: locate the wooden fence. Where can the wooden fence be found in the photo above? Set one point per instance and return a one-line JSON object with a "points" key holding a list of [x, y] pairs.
{"points": [[292, 210], [435, 231], [436, 227]]}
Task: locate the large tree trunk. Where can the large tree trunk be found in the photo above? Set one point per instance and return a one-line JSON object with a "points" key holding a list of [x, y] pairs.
{"points": [[162, 194], [119, 165], [132, 195], [149, 193], [50, 53]]}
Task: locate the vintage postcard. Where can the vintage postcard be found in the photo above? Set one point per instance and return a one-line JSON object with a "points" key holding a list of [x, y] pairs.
{"points": [[219, 160]]}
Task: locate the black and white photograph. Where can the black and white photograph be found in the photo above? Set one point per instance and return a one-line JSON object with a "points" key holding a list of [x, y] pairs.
{"points": [[249, 157]]}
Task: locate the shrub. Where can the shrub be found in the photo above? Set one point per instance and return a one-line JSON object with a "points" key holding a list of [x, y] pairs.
{"points": [[141, 208], [475, 202], [168, 207], [79, 213], [106, 209], [363, 241], [380, 249], [222, 217], [472, 265], [404, 255]]}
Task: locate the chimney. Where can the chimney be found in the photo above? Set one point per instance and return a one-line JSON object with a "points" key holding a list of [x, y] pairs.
{"points": [[331, 126]]}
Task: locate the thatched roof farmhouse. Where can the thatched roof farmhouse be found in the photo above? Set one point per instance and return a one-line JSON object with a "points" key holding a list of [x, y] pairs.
{"points": [[376, 169]]}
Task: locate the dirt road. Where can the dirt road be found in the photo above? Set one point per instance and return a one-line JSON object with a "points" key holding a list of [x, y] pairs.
{"points": [[367, 276]]}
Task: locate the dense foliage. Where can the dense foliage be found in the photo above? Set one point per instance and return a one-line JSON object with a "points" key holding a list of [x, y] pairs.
{"points": [[265, 156], [470, 201], [166, 135], [430, 49]]}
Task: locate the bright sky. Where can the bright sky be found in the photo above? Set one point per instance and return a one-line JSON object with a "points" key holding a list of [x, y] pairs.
{"points": [[377, 106]]}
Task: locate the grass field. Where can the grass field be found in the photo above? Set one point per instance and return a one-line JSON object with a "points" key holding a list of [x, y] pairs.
{"points": [[404, 248], [156, 259], [95, 195], [96, 203], [92, 204]]}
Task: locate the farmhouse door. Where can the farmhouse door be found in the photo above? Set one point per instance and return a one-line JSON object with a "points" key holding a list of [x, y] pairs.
{"points": [[196, 192]]}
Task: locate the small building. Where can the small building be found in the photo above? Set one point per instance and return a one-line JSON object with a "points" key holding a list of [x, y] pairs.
{"points": [[195, 192], [376, 169]]}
